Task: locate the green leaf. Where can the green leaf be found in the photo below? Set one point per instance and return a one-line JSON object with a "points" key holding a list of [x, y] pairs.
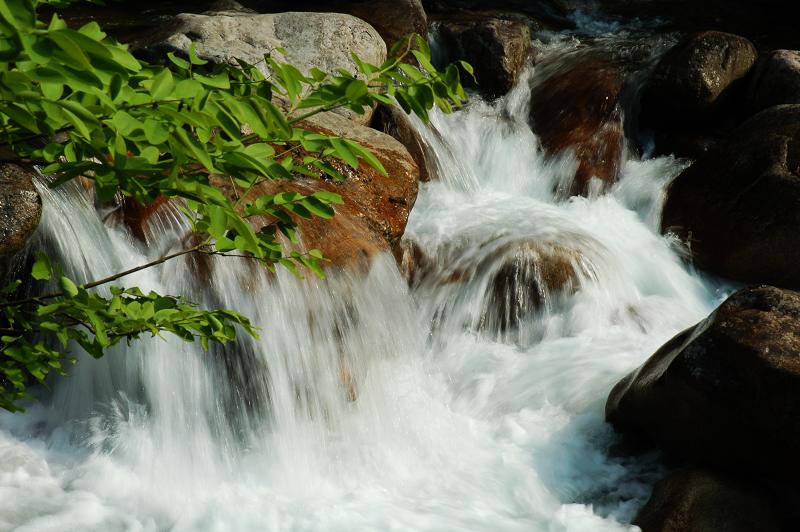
{"points": [[68, 286], [42, 269]]}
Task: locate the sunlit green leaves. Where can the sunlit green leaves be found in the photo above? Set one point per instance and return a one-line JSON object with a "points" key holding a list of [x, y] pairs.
{"points": [[81, 104]]}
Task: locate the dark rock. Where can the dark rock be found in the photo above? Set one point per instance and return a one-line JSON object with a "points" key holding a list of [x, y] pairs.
{"points": [[776, 80], [395, 122], [497, 49], [726, 392], [554, 13], [737, 206], [703, 500], [695, 78], [20, 211], [575, 105]]}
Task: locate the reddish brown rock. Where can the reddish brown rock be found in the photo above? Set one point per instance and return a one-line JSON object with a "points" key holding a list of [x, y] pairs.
{"points": [[575, 106]]}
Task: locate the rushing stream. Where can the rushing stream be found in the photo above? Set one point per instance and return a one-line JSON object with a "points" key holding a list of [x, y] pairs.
{"points": [[368, 404]]}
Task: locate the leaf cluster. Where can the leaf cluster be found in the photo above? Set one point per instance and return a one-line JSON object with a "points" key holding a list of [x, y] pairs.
{"points": [[78, 103]]}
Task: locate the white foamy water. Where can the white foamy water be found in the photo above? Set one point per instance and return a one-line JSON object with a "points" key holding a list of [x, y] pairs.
{"points": [[368, 405]]}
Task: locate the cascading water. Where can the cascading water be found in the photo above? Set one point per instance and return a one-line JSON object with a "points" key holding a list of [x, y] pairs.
{"points": [[471, 401]]}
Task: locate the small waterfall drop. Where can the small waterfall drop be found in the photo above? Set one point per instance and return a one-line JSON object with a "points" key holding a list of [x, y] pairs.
{"points": [[470, 400]]}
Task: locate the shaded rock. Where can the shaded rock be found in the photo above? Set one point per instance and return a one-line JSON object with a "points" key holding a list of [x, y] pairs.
{"points": [[726, 392], [394, 19], [395, 122], [497, 49], [702, 500], [693, 80], [322, 40], [575, 105], [737, 205], [776, 80], [20, 211], [554, 13]]}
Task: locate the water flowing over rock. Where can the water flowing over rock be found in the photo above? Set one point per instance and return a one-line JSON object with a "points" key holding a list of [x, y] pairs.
{"points": [[776, 80], [696, 78], [724, 392], [497, 49], [575, 106], [737, 205], [702, 500], [20, 211]]}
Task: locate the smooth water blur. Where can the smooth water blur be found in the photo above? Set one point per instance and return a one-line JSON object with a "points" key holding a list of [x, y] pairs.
{"points": [[366, 404]]}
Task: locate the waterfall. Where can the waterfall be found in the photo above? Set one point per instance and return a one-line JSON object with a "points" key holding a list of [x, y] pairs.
{"points": [[470, 398]]}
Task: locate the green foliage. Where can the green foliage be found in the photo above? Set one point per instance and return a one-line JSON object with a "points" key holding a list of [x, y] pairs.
{"points": [[150, 131]]}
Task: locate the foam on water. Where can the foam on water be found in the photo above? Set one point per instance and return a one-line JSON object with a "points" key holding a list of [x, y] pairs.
{"points": [[366, 404]]}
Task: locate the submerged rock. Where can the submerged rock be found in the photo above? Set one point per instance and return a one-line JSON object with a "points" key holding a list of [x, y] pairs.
{"points": [[703, 500], [724, 393], [737, 206], [498, 50], [20, 211], [526, 277], [776, 80], [696, 78], [575, 105]]}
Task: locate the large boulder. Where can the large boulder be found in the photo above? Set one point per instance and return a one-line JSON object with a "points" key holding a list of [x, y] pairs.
{"points": [[575, 105], [737, 206], [726, 392], [497, 49], [322, 40], [20, 211], [776, 80], [695, 79], [393, 19], [703, 500]]}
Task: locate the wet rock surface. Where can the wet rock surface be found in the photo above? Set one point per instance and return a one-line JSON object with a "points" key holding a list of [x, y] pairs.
{"points": [[497, 49], [20, 211], [696, 78], [704, 500], [736, 206], [575, 106], [776, 80], [723, 393]]}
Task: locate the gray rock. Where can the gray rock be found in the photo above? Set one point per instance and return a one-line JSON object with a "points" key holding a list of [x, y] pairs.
{"points": [[322, 40], [776, 80]]}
